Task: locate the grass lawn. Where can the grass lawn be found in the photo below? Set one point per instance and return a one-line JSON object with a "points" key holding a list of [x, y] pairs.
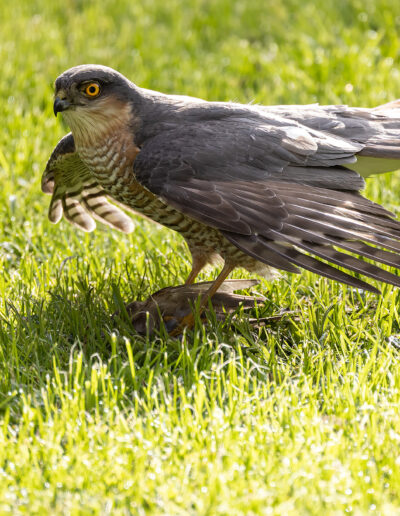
{"points": [[300, 417]]}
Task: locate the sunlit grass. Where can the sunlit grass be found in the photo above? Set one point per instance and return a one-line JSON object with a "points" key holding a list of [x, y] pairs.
{"points": [[299, 417]]}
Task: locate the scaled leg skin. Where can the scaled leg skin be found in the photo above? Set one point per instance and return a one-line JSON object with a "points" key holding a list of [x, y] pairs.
{"points": [[188, 320], [198, 262]]}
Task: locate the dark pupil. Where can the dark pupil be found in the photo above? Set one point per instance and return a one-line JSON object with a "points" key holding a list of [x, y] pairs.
{"points": [[92, 89]]}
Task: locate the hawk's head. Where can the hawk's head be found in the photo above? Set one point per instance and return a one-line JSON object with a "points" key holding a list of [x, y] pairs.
{"points": [[94, 99]]}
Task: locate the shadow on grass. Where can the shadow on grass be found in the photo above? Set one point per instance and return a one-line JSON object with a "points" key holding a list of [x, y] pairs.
{"points": [[69, 340], [80, 317], [61, 341]]}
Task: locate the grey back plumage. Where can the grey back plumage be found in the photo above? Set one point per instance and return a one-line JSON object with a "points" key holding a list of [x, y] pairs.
{"points": [[277, 189]]}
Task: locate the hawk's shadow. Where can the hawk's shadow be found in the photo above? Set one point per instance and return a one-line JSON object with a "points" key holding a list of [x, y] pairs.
{"points": [[77, 317]]}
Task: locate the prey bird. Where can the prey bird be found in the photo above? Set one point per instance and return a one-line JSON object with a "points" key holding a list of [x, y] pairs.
{"points": [[263, 188], [172, 304]]}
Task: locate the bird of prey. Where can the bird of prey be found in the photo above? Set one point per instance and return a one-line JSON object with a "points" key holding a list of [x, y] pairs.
{"points": [[263, 188]]}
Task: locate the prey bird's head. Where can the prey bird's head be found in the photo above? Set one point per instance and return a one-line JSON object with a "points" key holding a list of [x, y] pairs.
{"points": [[93, 99]]}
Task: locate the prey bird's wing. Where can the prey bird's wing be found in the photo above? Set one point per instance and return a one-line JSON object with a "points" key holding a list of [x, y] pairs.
{"points": [[76, 193], [278, 192]]}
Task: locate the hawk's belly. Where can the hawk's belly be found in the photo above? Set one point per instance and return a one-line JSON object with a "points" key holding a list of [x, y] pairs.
{"points": [[112, 165], [115, 172]]}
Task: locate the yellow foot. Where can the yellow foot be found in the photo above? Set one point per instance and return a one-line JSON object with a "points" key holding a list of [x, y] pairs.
{"points": [[186, 322]]}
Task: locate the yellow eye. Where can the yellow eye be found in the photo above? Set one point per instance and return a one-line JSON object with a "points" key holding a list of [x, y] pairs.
{"points": [[92, 89]]}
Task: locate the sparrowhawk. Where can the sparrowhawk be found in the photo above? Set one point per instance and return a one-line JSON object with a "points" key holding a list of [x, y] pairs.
{"points": [[261, 187]]}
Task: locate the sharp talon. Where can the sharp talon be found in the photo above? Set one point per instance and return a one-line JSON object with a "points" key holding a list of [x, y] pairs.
{"points": [[186, 322]]}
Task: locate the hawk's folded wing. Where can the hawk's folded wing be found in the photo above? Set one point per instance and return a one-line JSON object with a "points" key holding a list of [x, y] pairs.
{"points": [[275, 192], [76, 194]]}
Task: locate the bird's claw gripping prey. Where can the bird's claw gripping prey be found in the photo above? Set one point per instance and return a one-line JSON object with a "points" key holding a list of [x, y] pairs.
{"points": [[263, 188], [173, 306]]}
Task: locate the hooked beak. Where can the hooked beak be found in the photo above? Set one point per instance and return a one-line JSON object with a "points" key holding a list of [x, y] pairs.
{"points": [[60, 105]]}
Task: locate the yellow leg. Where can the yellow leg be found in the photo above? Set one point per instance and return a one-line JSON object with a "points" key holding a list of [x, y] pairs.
{"points": [[193, 275], [197, 265], [188, 320]]}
